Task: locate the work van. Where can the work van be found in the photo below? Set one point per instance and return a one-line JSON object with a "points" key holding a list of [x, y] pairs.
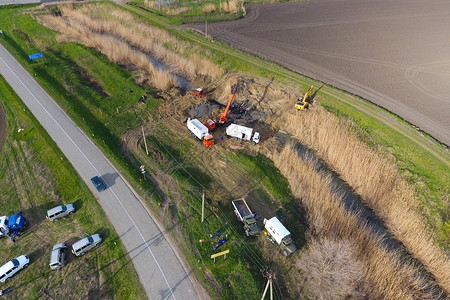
{"points": [[12, 267], [58, 256], [60, 211], [86, 244]]}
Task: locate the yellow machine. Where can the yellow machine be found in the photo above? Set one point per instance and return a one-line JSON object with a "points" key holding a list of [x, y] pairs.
{"points": [[303, 103]]}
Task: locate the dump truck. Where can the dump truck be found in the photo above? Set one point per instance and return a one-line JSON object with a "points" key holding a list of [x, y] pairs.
{"points": [[246, 216], [242, 133], [200, 131], [198, 92], [280, 235]]}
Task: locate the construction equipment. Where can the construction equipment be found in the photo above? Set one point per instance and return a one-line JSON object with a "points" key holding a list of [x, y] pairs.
{"points": [[303, 103], [198, 92], [200, 131], [245, 215], [223, 118], [243, 133], [281, 235]]}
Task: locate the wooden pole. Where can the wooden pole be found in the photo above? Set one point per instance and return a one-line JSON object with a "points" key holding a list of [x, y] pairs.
{"points": [[203, 205], [145, 142], [271, 291], [265, 290]]}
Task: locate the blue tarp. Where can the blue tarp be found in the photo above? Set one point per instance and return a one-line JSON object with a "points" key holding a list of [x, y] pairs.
{"points": [[36, 55]]}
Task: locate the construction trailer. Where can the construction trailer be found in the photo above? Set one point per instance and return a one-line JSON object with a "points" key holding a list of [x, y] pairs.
{"points": [[246, 216], [242, 133], [276, 230], [200, 131]]}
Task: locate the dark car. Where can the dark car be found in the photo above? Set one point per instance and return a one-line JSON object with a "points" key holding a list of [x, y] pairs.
{"points": [[98, 183]]}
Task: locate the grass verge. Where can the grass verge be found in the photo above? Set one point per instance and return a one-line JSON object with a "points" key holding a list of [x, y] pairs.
{"points": [[38, 177]]}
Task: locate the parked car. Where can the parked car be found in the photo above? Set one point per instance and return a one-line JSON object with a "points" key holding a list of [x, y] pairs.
{"points": [[98, 183], [60, 211], [58, 256], [86, 244], [13, 266]]}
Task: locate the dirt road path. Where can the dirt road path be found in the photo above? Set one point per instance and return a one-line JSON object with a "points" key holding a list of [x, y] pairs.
{"points": [[395, 54]]}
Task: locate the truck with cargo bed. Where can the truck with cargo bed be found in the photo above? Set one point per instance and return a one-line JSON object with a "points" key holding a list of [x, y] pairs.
{"points": [[200, 131], [246, 216], [280, 235], [242, 133]]}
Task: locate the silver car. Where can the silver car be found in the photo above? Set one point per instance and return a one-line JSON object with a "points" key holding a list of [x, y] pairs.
{"points": [[86, 244], [58, 256], [60, 211]]}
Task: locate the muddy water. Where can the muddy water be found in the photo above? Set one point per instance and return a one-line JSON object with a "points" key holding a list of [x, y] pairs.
{"points": [[183, 82]]}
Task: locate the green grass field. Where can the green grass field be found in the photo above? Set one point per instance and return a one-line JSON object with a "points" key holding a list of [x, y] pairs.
{"points": [[37, 178]]}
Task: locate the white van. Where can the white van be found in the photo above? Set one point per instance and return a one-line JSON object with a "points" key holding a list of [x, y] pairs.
{"points": [[60, 211], [58, 256], [86, 244], [12, 267]]}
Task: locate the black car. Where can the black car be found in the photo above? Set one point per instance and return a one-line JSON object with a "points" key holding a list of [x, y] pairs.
{"points": [[98, 183]]}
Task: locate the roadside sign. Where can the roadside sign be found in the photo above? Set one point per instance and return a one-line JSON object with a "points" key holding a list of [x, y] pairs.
{"points": [[36, 55]]}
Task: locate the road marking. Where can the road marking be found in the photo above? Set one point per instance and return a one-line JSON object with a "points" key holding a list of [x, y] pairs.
{"points": [[110, 188]]}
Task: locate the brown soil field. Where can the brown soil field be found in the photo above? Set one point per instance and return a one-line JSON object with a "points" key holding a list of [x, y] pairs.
{"points": [[393, 53]]}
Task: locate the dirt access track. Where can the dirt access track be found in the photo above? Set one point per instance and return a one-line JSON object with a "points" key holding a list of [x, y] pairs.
{"points": [[393, 53]]}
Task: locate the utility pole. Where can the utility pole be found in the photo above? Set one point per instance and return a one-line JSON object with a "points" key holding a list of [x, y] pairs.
{"points": [[270, 275], [206, 25], [203, 205], [143, 135]]}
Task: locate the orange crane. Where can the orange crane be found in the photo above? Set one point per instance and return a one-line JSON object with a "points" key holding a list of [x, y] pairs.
{"points": [[223, 118]]}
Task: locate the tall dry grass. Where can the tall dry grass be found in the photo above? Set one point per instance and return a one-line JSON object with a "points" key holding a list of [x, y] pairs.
{"points": [[375, 179], [386, 276], [140, 39], [210, 7], [230, 6], [331, 270], [107, 20], [115, 50]]}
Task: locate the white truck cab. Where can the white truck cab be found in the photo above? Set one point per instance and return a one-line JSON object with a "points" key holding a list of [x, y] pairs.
{"points": [[4, 229]]}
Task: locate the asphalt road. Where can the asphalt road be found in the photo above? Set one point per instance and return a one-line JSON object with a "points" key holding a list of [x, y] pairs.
{"points": [[159, 269], [393, 53]]}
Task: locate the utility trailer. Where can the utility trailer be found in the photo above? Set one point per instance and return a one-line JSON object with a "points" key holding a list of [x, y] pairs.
{"points": [[246, 216], [281, 235], [200, 131], [241, 133]]}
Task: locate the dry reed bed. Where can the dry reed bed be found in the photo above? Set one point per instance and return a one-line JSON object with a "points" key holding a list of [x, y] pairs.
{"points": [[386, 277], [375, 179], [103, 18], [115, 50], [331, 270]]}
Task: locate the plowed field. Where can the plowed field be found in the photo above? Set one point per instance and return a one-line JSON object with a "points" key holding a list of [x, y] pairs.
{"points": [[394, 53]]}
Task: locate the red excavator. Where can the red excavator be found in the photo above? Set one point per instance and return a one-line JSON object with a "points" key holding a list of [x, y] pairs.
{"points": [[223, 118]]}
